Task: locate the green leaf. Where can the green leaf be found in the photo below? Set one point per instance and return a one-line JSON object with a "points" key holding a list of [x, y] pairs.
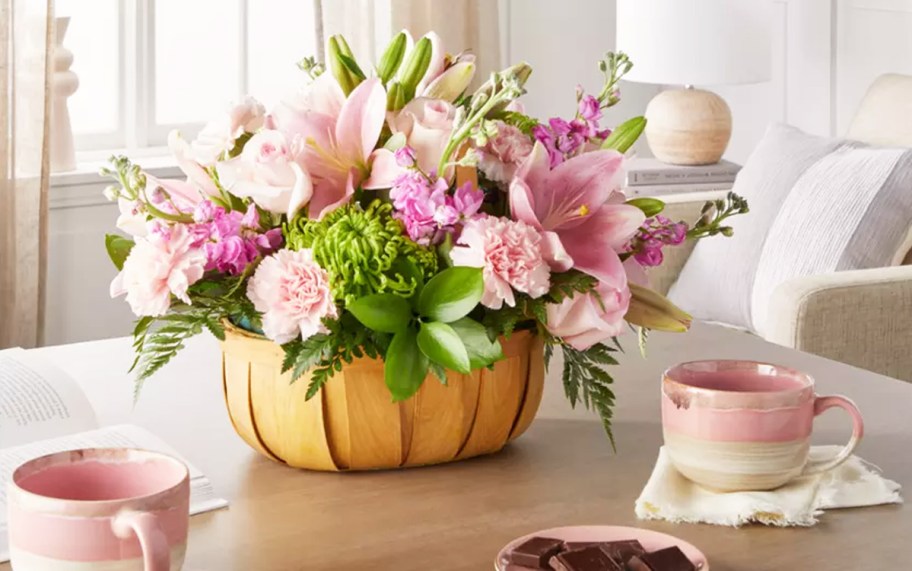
{"points": [[439, 372], [382, 312], [451, 294], [353, 67], [440, 343], [406, 366], [118, 249], [482, 351], [649, 206]]}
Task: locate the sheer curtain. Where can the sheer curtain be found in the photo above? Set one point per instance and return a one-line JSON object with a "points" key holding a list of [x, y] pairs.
{"points": [[462, 24], [26, 29]]}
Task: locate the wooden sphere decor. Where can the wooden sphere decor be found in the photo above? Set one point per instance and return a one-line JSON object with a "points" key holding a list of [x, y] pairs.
{"points": [[352, 423], [688, 126]]}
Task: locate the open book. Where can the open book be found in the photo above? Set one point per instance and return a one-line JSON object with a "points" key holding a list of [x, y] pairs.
{"points": [[42, 411]]}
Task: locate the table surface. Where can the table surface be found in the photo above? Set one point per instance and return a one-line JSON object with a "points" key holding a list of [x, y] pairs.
{"points": [[457, 516]]}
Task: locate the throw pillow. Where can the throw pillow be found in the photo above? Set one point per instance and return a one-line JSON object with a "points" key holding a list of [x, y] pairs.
{"points": [[817, 205]]}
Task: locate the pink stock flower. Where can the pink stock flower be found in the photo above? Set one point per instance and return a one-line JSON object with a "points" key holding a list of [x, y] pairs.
{"points": [[503, 153], [510, 255], [164, 263], [575, 206], [426, 208], [267, 172], [292, 292], [337, 150], [586, 319], [232, 240]]}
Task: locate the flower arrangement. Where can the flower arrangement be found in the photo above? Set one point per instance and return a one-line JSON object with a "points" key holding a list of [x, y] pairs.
{"points": [[395, 215]]}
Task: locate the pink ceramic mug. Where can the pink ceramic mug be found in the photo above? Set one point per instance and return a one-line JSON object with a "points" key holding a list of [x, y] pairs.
{"points": [[743, 425], [114, 509]]}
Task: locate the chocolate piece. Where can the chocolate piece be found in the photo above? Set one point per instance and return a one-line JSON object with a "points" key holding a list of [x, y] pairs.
{"points": [[586, 559], [668, 559], [535, 552], [623, 551]]}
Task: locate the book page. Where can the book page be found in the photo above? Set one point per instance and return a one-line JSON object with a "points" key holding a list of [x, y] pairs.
{"points": [[38, 400], [202, 496]]}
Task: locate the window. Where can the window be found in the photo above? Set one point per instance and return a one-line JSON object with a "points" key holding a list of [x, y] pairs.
{"points": [[148, 66]]}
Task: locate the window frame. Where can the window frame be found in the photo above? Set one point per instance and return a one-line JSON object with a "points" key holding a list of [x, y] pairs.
{"points": [[137, 128]]}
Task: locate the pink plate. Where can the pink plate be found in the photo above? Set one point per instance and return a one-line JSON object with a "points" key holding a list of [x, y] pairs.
{"points": [[651, 540]]}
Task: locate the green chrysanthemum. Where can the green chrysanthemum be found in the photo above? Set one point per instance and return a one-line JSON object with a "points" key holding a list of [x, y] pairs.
{"points": [[364, 251]]}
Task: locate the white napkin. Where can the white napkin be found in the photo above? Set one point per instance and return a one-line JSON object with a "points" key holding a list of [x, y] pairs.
{"points": [[670, 496]]}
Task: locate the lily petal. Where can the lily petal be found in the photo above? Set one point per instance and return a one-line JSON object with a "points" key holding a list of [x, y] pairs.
{"points": [[578, 187], [384, 170], [534, 170], [522, 203], [326, 196], [196, 174], [438, 61], [554, 253], [360, 122], [593, 245]]}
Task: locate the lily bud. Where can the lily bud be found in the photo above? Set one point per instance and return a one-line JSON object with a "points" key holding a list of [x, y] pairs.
{"points": [[395, 97], [649, 206], [392, 58], [415, 66], [627, 133], [654, 311], [451, 83], [335, 54]]}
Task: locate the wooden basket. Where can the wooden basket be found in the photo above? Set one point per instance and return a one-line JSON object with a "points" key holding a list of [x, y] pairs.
{"points": [[352, 424]]}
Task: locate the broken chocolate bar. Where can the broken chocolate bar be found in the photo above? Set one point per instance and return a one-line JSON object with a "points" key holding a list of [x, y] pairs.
{"points": [[668, 559], [623, 551], [535, 552], [586, 559]]}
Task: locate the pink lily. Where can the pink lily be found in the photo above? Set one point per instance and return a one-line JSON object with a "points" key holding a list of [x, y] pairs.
{"points": [[337, 150], [577, 208]]}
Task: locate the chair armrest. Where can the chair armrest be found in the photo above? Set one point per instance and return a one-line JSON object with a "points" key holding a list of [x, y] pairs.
{"points": [[860, 317], [686, 207]]}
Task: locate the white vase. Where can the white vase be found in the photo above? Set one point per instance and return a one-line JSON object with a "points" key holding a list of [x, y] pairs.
{"points": [[63, 84]]}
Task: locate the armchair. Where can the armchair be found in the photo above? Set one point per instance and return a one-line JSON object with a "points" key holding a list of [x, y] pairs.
{"points": [[861, 317]]}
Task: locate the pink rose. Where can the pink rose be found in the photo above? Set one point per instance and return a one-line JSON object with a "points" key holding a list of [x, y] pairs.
{"points": [[427, 125], [292, 292], [164, 263], [219, 135], [267, 172], [584, 320], [510, 253], [503, 153]]}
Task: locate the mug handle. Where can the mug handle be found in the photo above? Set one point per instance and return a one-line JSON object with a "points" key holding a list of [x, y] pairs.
{"points": [[821, 404], [156, 552]]}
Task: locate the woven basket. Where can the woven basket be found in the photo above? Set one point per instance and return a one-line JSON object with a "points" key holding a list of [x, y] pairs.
{"points": [[352, 424]]}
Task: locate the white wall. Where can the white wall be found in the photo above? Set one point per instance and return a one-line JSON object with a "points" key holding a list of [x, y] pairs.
{"points": [[826, 53]]}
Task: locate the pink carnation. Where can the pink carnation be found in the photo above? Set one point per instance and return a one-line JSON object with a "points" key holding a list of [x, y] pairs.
{"points": [[503, 153], [165, 262], [510, 253], [292, 292]]}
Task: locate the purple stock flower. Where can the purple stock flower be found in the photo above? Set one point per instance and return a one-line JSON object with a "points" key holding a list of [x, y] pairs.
{"points": [[653, 235], [590, 109]]}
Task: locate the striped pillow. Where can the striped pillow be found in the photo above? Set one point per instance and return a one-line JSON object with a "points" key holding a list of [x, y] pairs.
{"points": [[817, 205]]}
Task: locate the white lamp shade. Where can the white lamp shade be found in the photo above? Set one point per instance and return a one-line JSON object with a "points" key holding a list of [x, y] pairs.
{"points": [[696, 42]]}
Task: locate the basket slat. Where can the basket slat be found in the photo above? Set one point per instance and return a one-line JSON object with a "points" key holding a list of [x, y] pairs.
{"points": [[354, 425]]}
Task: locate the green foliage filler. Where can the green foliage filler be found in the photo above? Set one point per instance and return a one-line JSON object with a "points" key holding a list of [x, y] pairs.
{"points": [[364, 251]]}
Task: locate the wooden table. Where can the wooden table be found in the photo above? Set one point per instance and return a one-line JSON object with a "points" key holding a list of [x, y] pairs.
{"points": [[456, 517]]}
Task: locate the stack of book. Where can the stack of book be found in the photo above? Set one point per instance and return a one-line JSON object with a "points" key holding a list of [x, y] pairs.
{"points": [[648, 176]]}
